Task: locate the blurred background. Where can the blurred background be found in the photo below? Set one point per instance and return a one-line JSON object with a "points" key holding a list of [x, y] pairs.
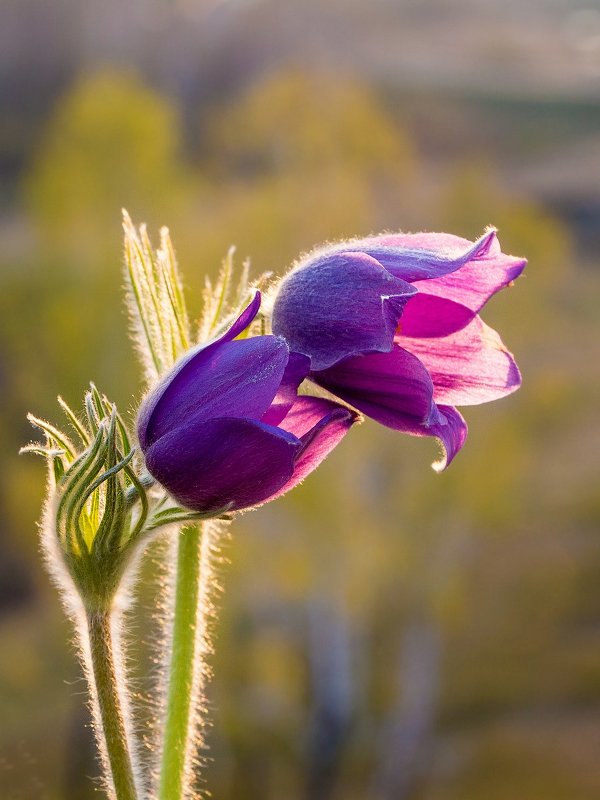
{"points": [[386, 632]]}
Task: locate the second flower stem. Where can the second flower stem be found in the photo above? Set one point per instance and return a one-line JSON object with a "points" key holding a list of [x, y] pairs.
{"points": [[110, 711], [184, 668]]}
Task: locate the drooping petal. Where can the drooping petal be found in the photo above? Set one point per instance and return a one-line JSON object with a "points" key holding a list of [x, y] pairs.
{"points": [[295, 372], [229, 378], [396, 390], [468, 367], [451, 430], [446, 424], [388, 387], [320, 425], [415, 257], [339, 305], [233, 463]]}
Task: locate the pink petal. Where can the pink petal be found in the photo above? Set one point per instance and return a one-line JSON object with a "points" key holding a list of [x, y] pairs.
{"points": [[427, 315], [296, 371], [474, 283], [320, 424], [468, 367], [424, 256]]}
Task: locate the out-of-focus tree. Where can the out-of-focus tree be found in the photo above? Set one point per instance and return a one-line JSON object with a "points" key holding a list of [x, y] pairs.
{"points": [[111, 143], [300, 159]]}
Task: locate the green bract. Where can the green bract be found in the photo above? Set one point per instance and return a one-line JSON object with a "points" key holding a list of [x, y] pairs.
{"points": [[101, 503]]}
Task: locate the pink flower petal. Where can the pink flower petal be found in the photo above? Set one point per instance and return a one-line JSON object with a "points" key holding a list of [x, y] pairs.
{"points": [[424, 256], [320, 425], [468, 367], [427, 315], [296, 371], [473, 284]]}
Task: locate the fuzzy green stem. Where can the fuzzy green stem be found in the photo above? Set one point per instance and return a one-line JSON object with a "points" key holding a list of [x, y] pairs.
{"points": [[109, 704], [183, 671]]}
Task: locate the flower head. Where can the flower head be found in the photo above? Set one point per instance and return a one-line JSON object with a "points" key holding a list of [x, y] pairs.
{"points": [[225, 429], [391, 326]]}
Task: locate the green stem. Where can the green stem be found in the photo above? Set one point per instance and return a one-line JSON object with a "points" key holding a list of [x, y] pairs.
{"points": [[184, 668], [109, 704]]}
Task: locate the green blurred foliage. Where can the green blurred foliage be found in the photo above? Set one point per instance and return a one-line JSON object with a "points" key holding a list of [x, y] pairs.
{"points": [[493, 564], [111, 143]]}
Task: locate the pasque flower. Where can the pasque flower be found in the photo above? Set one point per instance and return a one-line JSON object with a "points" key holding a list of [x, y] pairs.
{"points": [[225, 429], [391, 326]]}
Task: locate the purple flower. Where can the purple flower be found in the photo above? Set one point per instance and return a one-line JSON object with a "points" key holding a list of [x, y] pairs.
{"points": [[226, 429], [391, 326]]}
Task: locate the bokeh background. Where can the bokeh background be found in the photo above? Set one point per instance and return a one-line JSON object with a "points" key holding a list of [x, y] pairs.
{"points": [[386, 632]]}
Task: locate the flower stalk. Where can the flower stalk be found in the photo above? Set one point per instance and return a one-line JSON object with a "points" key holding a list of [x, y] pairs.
{"points": [[187, 668], [105, 682], [161, 331]]}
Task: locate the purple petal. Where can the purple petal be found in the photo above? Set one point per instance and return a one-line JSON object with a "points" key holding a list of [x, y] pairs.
{"points": [[151, 400], [320, 425], [388, 387], [415, 257], [468, 367], [233, 463], [243, 321], [226, 379], [295, 372], [339, 305], [451, 430], [396, 390]]}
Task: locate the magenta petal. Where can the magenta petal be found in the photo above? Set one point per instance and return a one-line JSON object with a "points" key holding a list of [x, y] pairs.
{"points": [[320, 425], [389, 387], [450, 245], [468, 367], [474, 283], [430, 316], [223, 463], [339, 305], [295, 372], [416, 257]]}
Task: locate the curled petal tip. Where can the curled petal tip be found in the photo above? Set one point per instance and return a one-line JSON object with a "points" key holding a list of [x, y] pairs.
{"points": [[484, 244], [451, 434]]}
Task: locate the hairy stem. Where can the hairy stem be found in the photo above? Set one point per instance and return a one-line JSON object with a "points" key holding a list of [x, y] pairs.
{"points": [[186, 667], [109, 706]]}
